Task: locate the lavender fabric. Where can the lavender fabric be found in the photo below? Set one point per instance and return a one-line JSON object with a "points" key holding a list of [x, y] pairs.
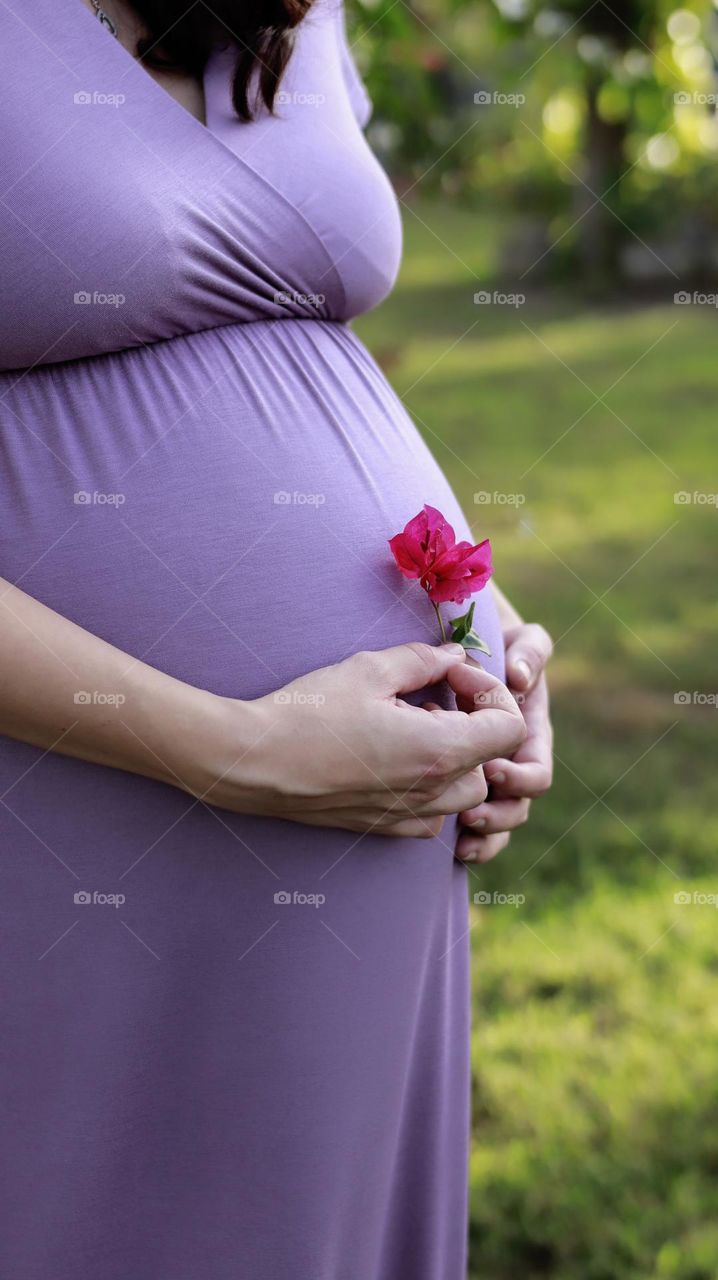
{"points": [[202, 464]]}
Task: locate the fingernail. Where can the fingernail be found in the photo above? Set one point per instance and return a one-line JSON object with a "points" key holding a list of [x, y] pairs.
{"points": [[496, 777], [523, 667], [451, 647], [480, 822]]}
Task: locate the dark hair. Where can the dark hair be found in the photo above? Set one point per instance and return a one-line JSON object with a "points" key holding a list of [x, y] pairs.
{"points": [[263, 30]]}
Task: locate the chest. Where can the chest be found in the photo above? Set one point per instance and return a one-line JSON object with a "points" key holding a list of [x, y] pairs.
{"points": [[113, 189]]}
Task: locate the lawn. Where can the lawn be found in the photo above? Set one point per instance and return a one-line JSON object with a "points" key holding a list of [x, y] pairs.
{"points": [[596, 1019]]}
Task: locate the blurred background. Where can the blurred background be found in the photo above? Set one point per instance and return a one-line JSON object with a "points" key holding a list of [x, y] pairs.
{"points": [[553, 334]]}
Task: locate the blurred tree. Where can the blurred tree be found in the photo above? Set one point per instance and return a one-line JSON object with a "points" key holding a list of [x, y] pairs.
{"points": [[593, 123]]}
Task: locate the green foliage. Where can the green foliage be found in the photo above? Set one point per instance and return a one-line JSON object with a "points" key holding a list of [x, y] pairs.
{"points": [[596, 1025], [576, 123]]}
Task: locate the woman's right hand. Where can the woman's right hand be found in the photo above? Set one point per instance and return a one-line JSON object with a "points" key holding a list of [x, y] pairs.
{"points": [[340, 748]]}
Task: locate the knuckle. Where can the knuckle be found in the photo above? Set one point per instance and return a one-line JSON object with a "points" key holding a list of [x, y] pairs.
{"points": [[436, 771], [544, 781], [366, 664], [480, 788], [517, 733], [425, 655], [542, 642], [546, 640]]}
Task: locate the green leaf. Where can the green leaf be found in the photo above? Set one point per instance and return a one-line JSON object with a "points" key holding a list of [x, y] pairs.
{"points": [[462, 632], [462, 626], [474, 641]]}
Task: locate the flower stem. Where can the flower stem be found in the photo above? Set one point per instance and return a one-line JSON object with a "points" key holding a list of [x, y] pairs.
{"points": [[437, 611]]}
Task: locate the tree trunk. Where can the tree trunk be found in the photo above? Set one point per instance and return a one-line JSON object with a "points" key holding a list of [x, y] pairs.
{"points": [[600, 234]]}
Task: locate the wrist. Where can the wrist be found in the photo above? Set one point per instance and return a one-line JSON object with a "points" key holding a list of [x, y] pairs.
{"points": [[214, 756]]}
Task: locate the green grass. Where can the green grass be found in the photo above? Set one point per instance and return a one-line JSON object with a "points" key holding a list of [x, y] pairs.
{"points": [[596, 1022]]}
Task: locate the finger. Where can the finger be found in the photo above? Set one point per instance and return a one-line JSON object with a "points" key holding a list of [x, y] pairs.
{"points": [[466, 693], [511, 779], [466, 793], [408, 667], [495, 718], [411, 828], [496, 816], [471, 848], [528, 649]]}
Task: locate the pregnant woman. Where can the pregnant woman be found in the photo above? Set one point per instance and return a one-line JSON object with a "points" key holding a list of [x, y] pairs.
{"points": [[235, 936]]}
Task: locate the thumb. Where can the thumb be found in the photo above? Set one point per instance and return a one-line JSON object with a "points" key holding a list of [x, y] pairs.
{"points": [[528, 649], [407, 667]]}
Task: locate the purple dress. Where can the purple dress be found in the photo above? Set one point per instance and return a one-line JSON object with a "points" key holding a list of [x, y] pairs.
{"points": [[201, 1081]]}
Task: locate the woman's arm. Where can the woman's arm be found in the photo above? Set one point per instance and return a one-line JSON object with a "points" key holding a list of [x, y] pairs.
{"points": [[66, 690], [338, 747], [508, 616]]}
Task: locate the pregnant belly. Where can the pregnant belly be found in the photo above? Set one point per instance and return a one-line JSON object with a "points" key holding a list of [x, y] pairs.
{"points": [[220, 504]]}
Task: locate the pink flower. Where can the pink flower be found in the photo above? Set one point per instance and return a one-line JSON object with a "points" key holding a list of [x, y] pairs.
{"points": [[447, 570]]}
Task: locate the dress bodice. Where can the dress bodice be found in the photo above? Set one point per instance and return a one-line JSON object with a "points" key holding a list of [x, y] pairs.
{"points": [[124, 220]]}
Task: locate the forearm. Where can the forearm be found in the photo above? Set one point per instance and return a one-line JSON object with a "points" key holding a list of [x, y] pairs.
{"points": [[508, 615], [66, 690]]}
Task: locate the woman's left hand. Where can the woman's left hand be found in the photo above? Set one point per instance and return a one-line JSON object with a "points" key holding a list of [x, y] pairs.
{"points": [[514, 783]]}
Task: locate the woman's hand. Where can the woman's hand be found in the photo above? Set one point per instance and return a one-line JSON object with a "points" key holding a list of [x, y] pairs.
{"points": [[486, 829], [340, 748], [337, 747]]}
